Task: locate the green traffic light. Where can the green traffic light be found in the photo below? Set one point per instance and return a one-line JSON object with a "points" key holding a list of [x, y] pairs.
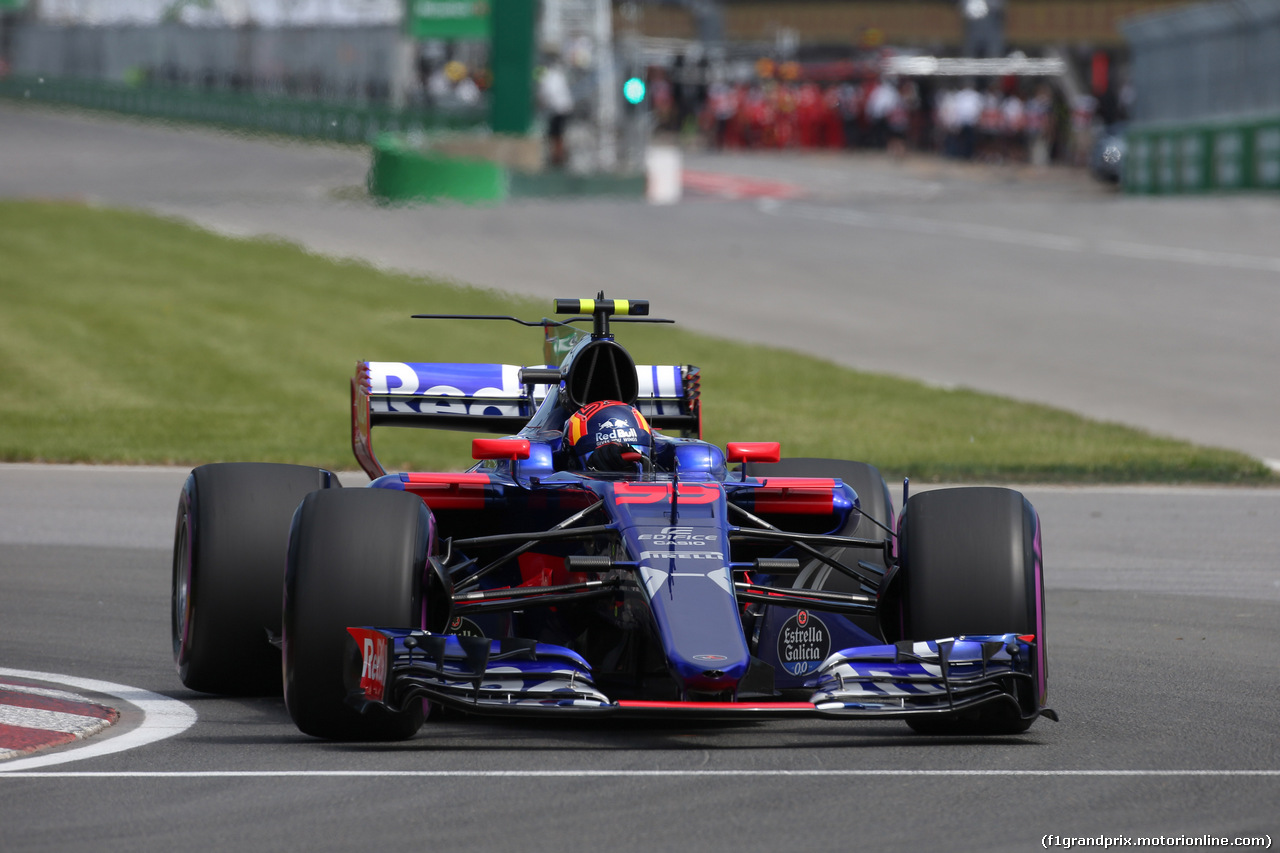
{"points": [[633, 90]]}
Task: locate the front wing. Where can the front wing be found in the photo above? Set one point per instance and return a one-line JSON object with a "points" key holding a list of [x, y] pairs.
{"points": [[523, 677]]}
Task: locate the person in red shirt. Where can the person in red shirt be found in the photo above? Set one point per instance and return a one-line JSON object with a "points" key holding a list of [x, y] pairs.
{"points": [[808, 115]]}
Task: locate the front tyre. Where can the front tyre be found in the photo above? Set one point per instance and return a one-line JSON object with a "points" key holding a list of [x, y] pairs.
{"points": [[356, 557], [971, 564]]}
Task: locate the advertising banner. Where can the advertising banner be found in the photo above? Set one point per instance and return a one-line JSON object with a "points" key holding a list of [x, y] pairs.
{"points": [[447, 19]]}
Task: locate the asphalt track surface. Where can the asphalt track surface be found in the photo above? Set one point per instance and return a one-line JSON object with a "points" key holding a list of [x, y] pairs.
{"points": [[1162, 614], [1163, 603]]}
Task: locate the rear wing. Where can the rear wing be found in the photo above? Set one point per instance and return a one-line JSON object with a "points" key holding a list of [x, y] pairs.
{"points": [[494, 398]]}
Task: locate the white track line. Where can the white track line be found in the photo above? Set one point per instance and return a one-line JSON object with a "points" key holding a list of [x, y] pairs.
{"points": [[581, 774], [162, 717]]}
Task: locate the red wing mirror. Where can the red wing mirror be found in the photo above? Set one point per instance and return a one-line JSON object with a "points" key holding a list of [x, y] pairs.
{"points": [[754, 451], [500, 448]]}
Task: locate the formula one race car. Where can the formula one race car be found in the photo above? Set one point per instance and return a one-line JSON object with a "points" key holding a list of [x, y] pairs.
{"points": [[601, 559]]}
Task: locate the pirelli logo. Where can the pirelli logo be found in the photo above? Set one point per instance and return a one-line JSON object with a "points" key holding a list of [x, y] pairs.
{"points": [[681, 555]]}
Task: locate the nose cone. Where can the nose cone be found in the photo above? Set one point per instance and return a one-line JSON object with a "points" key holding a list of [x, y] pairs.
{"points": [[698, 620], [721, 682]]}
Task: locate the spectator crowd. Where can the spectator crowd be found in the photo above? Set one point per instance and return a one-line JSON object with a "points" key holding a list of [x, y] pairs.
{"points": [[1005, 119]]}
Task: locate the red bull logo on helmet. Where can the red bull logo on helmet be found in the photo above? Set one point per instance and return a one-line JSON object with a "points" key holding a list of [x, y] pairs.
{"points": [[606, 422], [617, 431]]}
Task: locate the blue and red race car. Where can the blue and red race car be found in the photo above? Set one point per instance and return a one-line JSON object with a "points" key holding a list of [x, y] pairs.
{"points": [[601, 559]]}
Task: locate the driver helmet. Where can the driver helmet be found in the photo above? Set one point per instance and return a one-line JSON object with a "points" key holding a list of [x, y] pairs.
{"points": [[609, 436]]}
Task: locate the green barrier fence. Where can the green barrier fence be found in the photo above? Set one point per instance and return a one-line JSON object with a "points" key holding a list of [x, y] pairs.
{"points": [[1230, 158], [404, 172], [1266, 155], [1219, 157], [310, 119], [400, 172]]}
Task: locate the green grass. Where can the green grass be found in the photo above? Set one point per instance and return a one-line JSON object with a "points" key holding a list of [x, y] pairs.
{"points": [[126, 338]]}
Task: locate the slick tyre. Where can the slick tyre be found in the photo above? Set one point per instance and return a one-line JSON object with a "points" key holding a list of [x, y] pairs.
{"points": [[971, 564], [230, 543], [356, 557], [875, 505]]}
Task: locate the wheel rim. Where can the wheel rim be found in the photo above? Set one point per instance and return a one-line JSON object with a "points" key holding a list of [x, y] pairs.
{"points": [[181, 604]]}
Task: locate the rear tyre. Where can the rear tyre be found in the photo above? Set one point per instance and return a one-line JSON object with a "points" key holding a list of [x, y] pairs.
{"points": [[229, 549], [873, 500], [356, 557], [971, 564]]}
